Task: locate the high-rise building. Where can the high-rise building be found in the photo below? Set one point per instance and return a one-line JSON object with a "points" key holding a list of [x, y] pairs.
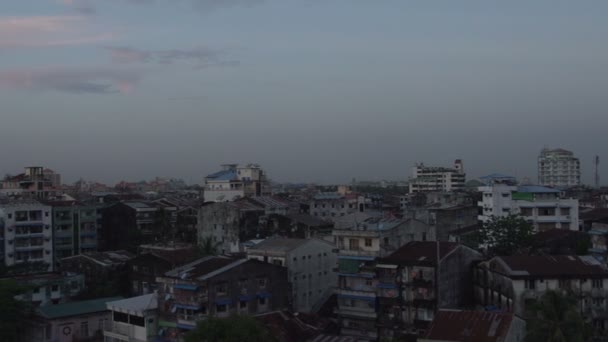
{"points": [[26, 232], [558, 168], [437, 179]]}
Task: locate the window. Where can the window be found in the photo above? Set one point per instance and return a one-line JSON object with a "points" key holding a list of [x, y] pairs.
{"points": [[55, 288], [353, 244], [423, 236], [262, 282], [598, 301], [262, 301], [598, 283], [121, 317], [84, 329], [220, 288], [243, 304], [530, 284], [137, 320], [368, 242]]}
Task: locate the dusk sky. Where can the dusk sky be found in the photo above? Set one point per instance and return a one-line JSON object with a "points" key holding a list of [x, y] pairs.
{"points": [[312, 90]]}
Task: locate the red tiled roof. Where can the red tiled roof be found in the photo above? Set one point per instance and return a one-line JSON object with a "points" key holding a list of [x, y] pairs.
{"points": [[470, 326]]}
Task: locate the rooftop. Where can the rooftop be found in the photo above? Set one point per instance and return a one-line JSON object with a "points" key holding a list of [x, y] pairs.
{"points": [[420, 252], [328, 196], [224, 175], [473, 326], [203, 267], [552, 266], [106, 258], [75, 308], [307, 219], [536, 189], [278, 245], [138, 304]]}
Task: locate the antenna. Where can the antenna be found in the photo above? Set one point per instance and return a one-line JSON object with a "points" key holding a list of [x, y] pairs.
{"points": [[597, 171]]}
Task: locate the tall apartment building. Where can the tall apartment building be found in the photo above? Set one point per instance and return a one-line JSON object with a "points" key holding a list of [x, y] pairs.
{"points": [[235, 181], [544, 207], [26, 232], [75, 228], [558, 168], [437, 179], [310, 268], [358, 248]]}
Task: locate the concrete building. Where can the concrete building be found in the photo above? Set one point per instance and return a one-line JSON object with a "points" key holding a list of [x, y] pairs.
{"points": [[218, 287], [310, 268], [558, 168], [75, 227], [49, 288], [332, 205], [228, 224], [234, 182], [437, 179], [68, 322], [544, 207], [417, 280], [133, 320], [457, 325], [358, 248], [511, 283], [35, 182], [26, 233]]}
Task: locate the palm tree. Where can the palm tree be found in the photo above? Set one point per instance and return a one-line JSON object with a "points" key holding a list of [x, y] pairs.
{"points": [[208, 247], [555, 318]]}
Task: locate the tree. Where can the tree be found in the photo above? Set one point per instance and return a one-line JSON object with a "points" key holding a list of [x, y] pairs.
{"points": [[235, 328], [555, 318], [14, 312], [208, 246], [504, 235]]}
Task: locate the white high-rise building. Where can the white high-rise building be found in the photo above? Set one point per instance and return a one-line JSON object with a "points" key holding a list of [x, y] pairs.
{"points": [[235, 181], [437, 179], [544, 207], [558, 168], [26, 228]]}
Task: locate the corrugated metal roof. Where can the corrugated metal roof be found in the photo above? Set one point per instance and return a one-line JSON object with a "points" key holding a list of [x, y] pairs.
{"points": [[478, 326], [75, 308], [536, 189]]}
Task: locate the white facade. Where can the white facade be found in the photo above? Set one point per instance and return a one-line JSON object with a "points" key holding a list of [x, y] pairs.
{"points": [[26, 229], [437, 179], [542, 206], [133, 320], [235, 181], [558, 168], [310, 266]]}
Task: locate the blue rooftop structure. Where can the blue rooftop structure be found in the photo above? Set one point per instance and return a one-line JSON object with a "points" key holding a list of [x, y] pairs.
{"points": [[536, 189], [223, 175]]}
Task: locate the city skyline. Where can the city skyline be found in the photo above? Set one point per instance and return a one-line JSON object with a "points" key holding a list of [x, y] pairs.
{"points": [[314, 91]]}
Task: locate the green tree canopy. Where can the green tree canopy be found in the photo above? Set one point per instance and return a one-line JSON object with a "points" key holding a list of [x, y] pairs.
{"points": [[236, 328], [504, 235], [14, 312], [555, 318], [208, 247]]}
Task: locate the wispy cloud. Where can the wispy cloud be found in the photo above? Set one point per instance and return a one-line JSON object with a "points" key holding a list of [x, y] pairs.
{"points": [[92, 80], [45, 31], [200, 57], [89, 6]]}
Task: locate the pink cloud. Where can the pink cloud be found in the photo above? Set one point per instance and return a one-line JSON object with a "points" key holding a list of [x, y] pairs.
{"points": [[46, 31], [94, 80]]}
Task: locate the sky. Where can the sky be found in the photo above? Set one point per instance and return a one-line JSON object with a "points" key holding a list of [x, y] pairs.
{"points": [[312, 90]]}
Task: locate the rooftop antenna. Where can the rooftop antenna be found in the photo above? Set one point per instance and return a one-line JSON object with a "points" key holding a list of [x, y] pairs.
{"points": [[597, 171]]}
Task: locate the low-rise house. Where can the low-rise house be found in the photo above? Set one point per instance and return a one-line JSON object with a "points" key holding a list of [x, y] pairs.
{"points": [[482, 326], [513, 283], [69, 322], [218, 286], [133, 319], [100, 268], [154, 261], [233, 182], [310, 268], [417, 280], [50, 288]]}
